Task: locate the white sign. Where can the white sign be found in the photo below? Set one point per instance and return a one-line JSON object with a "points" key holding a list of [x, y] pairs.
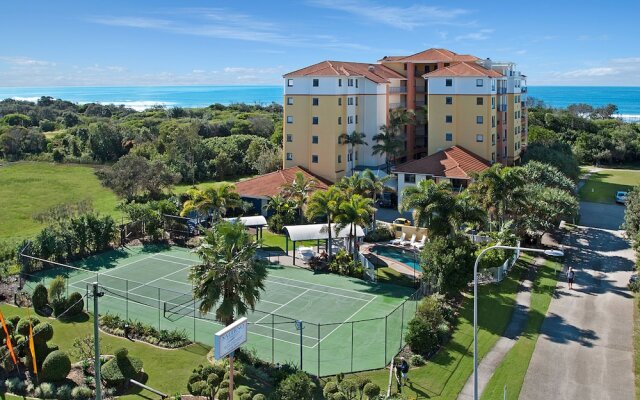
{"points": [[230, 338]]}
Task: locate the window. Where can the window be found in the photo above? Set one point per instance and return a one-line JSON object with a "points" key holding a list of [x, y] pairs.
{"points": [[448, 82], [350, 119], [289, 101], [479, 101], [350, 156], [448, 100], [493, 121], [314, 139], [448, 137], [493, 103], [493, 157], [289, 156], [314, 158], [315, 101], [493, 139], [479, 119], [349, 82], [479, 82], [289, 119], [515, 115], [356, 119], [314, 120], [448, 119], [356, 83], [289, 138], [479, 138], [339, 82], [493, 85], [356, 155], [447, 64], [339, 120], [405, 66], [515, 99], [356, 101], [316, 82], [426, 68], [349, 101], [290, 82], [339, 101], [340, 139], [339, 159], [409, 178]]}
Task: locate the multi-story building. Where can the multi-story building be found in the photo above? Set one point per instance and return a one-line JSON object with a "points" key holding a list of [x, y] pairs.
{"points": [[458, 100]]}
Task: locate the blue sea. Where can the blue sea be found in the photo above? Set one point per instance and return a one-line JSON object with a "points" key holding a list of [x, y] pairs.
{"points": [[140, 97]]}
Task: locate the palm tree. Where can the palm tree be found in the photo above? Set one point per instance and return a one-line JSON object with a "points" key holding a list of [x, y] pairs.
{"points": [[354, 211], [376, 183], [299, 191], [216, 200], [354, 139], [388, 144], [325, 204], [355, 184], [280, 205], [432, 205], [230, 277]]}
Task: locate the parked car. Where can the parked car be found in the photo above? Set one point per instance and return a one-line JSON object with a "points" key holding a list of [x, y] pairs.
{"points": [[621, 197], [388, 200], [402, 221]]}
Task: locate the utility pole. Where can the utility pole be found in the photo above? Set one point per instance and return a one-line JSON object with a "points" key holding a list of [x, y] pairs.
{"points": [[96, 341], [299, 327]]}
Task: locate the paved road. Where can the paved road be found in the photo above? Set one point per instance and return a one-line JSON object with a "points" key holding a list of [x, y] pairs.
{"points": [[585, 349], [605, 216]]}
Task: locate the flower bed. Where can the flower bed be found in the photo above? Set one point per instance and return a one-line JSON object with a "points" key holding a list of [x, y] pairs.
{"points": [[115, 325]]}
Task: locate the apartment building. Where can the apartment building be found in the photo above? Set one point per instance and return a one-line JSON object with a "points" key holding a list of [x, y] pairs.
{"points": [[457, 99]]}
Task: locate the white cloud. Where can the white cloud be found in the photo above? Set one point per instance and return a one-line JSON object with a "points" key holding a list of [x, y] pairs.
{"points": [[407, 18], [521, 52], [618, 71], [482, 34], [596, 71], [25, 61]]}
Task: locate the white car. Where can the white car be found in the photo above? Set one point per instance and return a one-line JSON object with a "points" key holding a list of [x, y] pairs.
{"points": [[621, 197]]}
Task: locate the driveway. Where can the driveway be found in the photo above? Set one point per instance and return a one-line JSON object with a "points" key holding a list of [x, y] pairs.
{"points": [[585, 348], [389, 214]]}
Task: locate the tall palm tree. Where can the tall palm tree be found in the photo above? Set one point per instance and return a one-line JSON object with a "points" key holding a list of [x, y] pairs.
{"points": [[376, 183], [352, 140], [354, 211], [355, 184], [299, 191], [216, 200], [280, 205], [229, 278], [325, 204], [388, 144]]}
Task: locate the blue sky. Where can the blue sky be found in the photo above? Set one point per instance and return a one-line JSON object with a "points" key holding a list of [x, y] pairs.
{"points": [[76, 43]]}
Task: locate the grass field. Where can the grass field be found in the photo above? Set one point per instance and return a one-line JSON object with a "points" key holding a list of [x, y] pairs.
{"points": [[601, 187], [28, 188], [512, 370], [444, 376]]}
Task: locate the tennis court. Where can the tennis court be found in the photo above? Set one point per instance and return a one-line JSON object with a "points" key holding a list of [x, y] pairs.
{"points": [[347, 324]]}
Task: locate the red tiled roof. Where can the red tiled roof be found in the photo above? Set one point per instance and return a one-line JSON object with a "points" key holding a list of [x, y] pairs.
{"points": [[374, 72], [464, 69], [271, 184], [432, 56], [455, 162]]}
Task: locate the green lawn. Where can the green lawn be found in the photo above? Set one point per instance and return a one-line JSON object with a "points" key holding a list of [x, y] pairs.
{"points": [[602, 186], [276, 242], [444, 376], [636, 342], [28, 188], [512, 370]]}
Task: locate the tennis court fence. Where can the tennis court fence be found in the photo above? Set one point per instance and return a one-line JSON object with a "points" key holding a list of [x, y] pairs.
{"points": [[318, 348]]}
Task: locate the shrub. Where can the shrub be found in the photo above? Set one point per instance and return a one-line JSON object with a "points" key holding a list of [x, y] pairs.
{"points": [[56, 366], [64, 392], [348, 387], [199, 388], [81, 393], [371, 390], [40, 297], [75, 304], [339, 396], [43, 332], [245, 396], [213, 380], [329, 389], [120, 368], [23, 325], [223, 394], [57, 288], [15, 386], [379, 234], [421, 337], [295, 387], [45, 391], [259, 396], [417, 360]]}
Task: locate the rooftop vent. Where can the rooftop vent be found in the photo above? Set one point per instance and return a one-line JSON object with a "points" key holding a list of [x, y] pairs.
{"points": [[371, 68]]}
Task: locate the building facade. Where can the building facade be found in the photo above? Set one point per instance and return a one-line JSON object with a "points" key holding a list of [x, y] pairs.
{"points": [[455, 100]]}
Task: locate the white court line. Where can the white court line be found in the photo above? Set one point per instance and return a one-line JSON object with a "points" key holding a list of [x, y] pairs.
{"points": [[315, 290], [118, 267], [172, 262], [347, 320], [219, 324], [327, 286], [274, 311], [179, 258], [157, 279]]}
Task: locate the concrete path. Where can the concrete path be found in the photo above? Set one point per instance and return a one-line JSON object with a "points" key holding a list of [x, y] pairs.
{"points": [[494, 357], [585, 349]]}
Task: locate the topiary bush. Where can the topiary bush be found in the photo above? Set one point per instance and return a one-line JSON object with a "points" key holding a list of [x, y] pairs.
{"points": [[199, 388], [296, 387], [120, 368], [74, 304], [371, 390], [56, 366], [23, 325], [63, 392], [329, 389], [43, 332], [40, 297], [81, 393], [223, 394], [417, 360], [259, 396]]}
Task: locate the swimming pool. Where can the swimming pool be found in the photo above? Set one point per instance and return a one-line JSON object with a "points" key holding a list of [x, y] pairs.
{"points": [[405, 256]]}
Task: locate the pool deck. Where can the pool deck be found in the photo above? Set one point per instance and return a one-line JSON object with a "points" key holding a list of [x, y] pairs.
{"points": [[403, 268]]}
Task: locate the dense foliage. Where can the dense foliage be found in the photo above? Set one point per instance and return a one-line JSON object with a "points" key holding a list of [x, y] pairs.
{"points": [[449, 260], [114, 324], [431, 326], [56, 366], [120, 368]]}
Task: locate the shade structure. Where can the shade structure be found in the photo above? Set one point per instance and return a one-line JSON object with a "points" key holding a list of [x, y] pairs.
{"points": [[319, 232]]}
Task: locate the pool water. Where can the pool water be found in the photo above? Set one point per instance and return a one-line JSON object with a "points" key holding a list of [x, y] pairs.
{"points": [[404, 256]]}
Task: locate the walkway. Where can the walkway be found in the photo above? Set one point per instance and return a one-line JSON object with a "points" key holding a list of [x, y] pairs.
{"points": [[494, 357], [585, 349]]}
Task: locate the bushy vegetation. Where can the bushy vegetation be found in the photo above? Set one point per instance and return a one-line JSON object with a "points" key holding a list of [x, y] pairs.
{"points": [[343, 264], [114, 324], [297, 386], [379, 234], [56, 366], [350, 388], [120, 368], [431, 327]]}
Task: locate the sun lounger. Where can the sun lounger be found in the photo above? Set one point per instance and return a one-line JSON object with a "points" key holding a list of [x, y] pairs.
{"points": [[421, 243], [409, 242], [399, 240], [306, 253]]}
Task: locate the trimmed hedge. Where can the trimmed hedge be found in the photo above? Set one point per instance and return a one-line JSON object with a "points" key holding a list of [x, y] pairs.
{"points": [[120, 368], [75, 305], [23, 325], [56, 366], [40, 297]]}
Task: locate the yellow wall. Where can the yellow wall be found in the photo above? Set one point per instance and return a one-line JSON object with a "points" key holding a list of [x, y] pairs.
{"points": [[513, 155], [464, 127]]}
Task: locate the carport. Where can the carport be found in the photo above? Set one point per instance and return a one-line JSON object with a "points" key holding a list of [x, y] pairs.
{"points": [[257, 222], [317, 232]]}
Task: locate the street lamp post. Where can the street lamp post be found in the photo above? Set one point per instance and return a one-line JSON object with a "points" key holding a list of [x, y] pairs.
{"points": [[555, 253]]}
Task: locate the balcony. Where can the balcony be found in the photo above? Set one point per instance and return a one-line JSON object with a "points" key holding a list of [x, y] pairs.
{"points": [[502, 90], [523, 89], [393, 106], [502, 107], [398, 89], [420, 103], [421, 89], [523, 104]]}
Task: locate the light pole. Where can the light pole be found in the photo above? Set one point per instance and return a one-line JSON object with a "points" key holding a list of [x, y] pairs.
{"points": [[555, 253]]}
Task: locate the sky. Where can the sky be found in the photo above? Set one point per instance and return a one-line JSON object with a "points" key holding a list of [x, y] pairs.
{"points": [[133, 42]]}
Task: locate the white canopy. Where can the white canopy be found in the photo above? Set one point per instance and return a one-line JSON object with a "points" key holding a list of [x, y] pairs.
{"points": [[251, 222], [318, 232]]}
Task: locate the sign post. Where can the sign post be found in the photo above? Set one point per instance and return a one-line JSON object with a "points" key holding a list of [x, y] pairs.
{"points": [[226, 341]]}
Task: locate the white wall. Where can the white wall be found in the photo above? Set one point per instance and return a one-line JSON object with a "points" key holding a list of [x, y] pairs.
{"points": [[329, 86], [461, 85]]}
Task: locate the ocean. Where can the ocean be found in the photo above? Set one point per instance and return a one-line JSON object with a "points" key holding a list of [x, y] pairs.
{"points": [[140, 97]]}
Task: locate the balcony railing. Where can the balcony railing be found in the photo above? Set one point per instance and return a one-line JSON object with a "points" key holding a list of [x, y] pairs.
{"points": [[523, 89], [398, 89], [502, 107], [420, 103], [502, 90], [393, 106]]}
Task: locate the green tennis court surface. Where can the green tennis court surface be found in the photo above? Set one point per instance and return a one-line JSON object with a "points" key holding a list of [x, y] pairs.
{"points": [[348, 324]]}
